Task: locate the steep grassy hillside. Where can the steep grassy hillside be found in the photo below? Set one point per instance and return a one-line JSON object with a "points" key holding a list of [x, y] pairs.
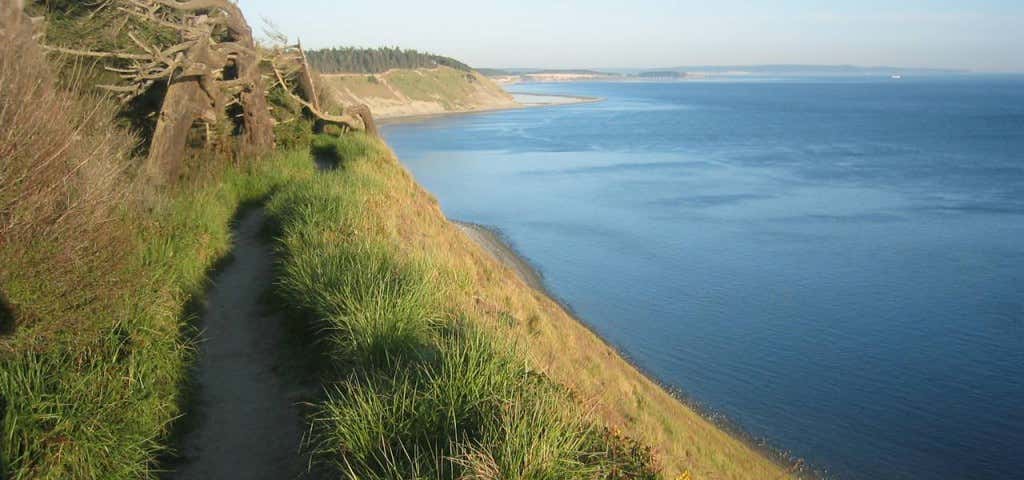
{"points": [[97, 271], [418, 386], [397, 93], [436, 361], [369, 221]]}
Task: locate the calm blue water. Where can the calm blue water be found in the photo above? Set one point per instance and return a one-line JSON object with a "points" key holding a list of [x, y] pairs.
{"points": [[835, 266]]}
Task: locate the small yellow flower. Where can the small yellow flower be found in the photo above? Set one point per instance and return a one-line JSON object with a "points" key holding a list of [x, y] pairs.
{"points": [[685, 476]]}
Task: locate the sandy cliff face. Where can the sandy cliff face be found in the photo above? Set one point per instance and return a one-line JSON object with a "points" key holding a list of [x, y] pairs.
{"points": [[399, 93]]}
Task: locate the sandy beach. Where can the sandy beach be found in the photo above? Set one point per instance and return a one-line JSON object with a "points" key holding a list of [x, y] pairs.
{"points": [[492, 241], [523, 100]]}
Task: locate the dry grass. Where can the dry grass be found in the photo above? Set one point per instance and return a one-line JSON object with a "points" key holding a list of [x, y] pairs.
{"points": [[416, 389], [412, 92], [96, 273], [409, 218], [61, 152], [62, 181]]}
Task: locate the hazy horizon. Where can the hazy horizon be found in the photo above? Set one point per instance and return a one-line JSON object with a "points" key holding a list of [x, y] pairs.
{"points": [[983, 37]]}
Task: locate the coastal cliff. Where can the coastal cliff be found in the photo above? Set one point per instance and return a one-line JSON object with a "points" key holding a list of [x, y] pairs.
{"points": [[374, 338], [485, 287], [422, 91]]}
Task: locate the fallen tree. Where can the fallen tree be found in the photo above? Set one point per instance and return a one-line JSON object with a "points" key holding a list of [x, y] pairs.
{"points": [[215, 75], [290, 62]]}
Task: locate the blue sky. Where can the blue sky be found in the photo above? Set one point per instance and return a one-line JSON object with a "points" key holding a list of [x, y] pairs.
{"points": [[983, 35]]}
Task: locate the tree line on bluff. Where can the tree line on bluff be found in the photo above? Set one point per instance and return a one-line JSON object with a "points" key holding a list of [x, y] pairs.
{"points": [[377, 60]]}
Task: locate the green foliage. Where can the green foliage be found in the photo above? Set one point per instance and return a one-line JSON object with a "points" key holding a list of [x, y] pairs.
{"points": [[100, 403], [331, 146], [414, 389], [65, 416], [294, 128], [293, 134], [377, 60]]}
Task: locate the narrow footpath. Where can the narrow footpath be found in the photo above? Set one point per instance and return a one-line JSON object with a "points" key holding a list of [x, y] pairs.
{"points": [[248, 425]]}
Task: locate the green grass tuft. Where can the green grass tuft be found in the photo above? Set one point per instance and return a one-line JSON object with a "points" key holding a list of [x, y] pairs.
{"points": [[98, 401], [414, 390]]}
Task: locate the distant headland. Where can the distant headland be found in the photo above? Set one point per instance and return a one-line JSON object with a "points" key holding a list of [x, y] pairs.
{"points": [[520, 75]]}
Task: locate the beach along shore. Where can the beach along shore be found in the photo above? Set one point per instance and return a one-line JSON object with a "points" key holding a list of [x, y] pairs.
{"points": [[492, 241], [522, 101]]}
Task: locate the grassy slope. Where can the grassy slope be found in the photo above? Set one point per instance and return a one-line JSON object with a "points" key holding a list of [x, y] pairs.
{"points": [[374, 209], [98, 401], [97, 269], [98, 272], [416, 388], [422, 91], [103, 410]]}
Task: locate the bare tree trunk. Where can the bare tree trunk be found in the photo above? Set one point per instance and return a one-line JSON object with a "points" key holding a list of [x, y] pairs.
{"points": [[363, 113], [186, 100], [306, 82], [215, 64], [199, 94], [180, 110], [259, 124]]}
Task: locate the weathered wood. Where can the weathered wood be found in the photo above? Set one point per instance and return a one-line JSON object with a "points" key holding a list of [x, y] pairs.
{"points": [[258, 125], [365, 116], [306, 83], [185, 101], [353, 118], [347, 121], [215, 38], [215, 63], [166, 150]]}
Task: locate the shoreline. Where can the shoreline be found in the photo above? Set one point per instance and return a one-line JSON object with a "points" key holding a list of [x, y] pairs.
{"points": [[420, 117], [495, 243]]}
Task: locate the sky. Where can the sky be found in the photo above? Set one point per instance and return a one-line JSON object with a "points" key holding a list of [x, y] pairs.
{"points": [[980, 35]]}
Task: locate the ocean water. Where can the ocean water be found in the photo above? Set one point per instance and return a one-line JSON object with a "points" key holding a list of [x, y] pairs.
{"points": [[834, 266]]}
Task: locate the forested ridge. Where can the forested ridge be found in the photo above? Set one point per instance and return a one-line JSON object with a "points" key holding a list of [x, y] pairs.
{"points": [[377, 60]]}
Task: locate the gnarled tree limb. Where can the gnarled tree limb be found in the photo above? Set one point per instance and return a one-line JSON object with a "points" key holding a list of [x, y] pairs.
{"points": [[351, 120]]}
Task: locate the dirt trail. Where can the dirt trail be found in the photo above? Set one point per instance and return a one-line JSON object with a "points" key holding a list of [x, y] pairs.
{"points": [[248, 424]]}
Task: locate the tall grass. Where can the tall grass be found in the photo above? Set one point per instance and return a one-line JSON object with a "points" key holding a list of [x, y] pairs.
{"points": [[97, 272], [61, 154], [415, 388], [100, 402], [386, 208], [95, 275], [63, 178]]}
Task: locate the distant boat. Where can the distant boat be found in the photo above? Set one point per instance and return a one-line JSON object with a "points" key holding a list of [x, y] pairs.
{"points": [[897, 77]]}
